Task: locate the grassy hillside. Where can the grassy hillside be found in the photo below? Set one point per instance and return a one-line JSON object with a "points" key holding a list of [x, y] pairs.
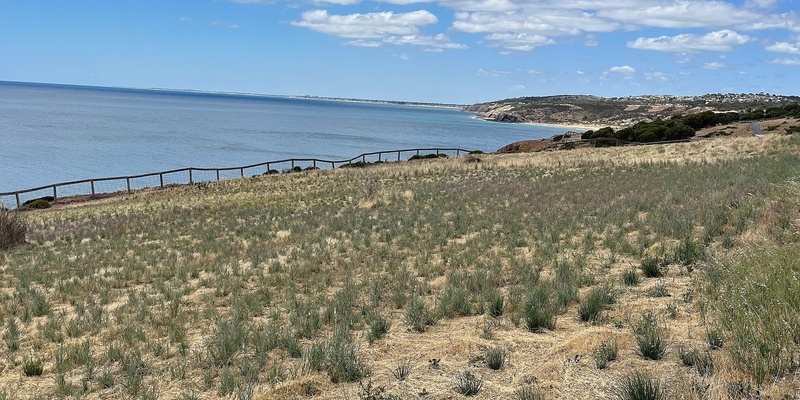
{"points": [[554, 274]]}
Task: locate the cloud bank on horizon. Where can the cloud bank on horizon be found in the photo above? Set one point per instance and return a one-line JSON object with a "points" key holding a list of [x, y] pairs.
{"points": [[445, 50]]}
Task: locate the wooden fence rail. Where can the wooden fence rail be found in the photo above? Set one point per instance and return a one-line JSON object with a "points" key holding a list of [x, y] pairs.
{"points": [[54, 189]]}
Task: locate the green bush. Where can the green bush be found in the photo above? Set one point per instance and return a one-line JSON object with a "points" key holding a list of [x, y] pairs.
{"points": [[38, 204], [539, 310], [418, 316], [650, 337], [605, 354], [468, 384], [641, 386], [32, 367], [427, 156], [496, 358], [652, 267], [630, 277], [342, 360], [12, 229], [594, 302], [528, 393]]}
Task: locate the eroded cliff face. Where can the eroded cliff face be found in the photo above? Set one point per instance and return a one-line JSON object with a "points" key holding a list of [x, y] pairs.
{"points": [[624, 111]]}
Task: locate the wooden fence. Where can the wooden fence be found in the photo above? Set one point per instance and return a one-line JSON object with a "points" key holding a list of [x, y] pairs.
{"points": [[92, 187]]}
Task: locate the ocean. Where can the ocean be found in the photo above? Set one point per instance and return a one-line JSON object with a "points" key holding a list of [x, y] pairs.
{"points": [[57, 133]]}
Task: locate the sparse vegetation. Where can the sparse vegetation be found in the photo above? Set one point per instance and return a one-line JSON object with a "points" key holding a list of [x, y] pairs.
{"points": [[12, 229], [467, 383], [306, 284], [496, 358], [641, 386], [605, 354], [650, 337]]}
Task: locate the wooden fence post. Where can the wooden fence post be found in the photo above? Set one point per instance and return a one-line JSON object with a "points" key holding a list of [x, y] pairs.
{"points": [[17, 196], [128, 182], [161, 180], [92, 183], [55, 195], [217, 175], [191, 181]]}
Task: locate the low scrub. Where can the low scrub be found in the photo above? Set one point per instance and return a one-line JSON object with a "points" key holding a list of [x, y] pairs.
{"points": [[641, 386], [12, 229], [650, 337]]}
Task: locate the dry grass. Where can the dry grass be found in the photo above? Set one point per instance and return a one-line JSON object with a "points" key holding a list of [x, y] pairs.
{"points": [[269, 287]]}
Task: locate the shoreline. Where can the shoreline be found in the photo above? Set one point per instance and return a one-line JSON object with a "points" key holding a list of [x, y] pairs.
{"points": [[580, 127]]}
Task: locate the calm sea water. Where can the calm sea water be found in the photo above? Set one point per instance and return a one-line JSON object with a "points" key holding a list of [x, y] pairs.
{"points": [[53, 133]]}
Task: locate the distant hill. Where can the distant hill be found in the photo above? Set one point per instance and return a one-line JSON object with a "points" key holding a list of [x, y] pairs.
{"points": [[620, 111]]}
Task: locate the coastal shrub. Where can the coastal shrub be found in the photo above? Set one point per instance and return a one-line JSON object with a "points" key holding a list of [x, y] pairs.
{"points": [[496, 358], [652, 268], [38, 204], [427, 156], [495, 304], [594, 302], [528, 392], [688, 356], [378, 327], [32, 366], [467, 383], [12, 229], [715, 337], [539, 310], [342, 361], [650, 337], [688, 252], [357, 164], [48, 199], [605, 354], [630, 277], [419, 316], [640, 386], [402, 370]]}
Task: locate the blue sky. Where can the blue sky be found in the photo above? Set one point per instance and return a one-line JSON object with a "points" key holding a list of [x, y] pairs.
{"points": [[460, 51]]}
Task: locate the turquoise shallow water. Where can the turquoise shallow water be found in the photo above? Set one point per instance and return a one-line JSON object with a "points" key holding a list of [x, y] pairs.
{"points": [[56, 133]]}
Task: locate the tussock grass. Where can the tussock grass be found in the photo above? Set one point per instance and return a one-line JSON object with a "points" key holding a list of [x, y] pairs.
{"points": [[285, 285]]}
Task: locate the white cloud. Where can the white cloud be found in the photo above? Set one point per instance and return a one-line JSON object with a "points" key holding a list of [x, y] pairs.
{"points": [[339, 2], [363, 43], [786, 61], [656, 76], [366, 26], [493, 73], [405, 2], [517, 88], [784, 47], [723, 40], [761, 3], [683, 14], [430, 43], [518, 42], [714, 65], [624, 69]]}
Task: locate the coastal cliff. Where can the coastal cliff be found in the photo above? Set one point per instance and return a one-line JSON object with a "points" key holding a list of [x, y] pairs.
{"points": [[618, 111]]}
